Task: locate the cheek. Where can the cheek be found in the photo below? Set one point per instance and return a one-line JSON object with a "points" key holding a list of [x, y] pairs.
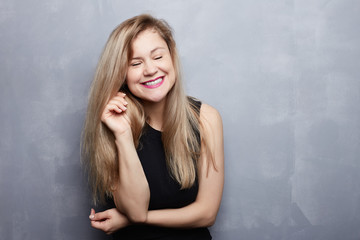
{"points": [[131, 77], [167, 67], [172, 71], [131, 86]]}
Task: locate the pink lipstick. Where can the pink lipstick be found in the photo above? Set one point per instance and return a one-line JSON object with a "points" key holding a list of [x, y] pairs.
{"points": [[154, 83]]}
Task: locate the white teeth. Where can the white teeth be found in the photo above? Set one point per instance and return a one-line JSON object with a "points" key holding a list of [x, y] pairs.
{"points": [[153, 82]]}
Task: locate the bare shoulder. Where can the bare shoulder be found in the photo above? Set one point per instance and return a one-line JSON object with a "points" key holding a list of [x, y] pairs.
{"points": [[209, 113], [212, 130], [210, 117]]}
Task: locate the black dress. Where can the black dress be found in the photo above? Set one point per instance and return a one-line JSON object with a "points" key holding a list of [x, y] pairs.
{"points": [[165, 192]]}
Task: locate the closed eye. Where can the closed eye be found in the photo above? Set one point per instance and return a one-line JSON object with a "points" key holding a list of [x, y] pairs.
{"points": [[159, 57], [135, 64]]}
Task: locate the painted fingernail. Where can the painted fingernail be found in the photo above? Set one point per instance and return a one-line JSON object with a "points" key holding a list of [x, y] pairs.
{"points": [[91, 216], [126, 103]]}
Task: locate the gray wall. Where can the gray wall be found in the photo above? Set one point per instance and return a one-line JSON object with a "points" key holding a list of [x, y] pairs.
{"points": [[284, 74]]}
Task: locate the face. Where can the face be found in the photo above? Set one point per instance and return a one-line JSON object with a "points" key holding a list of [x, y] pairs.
{"points": [[150, 75]]}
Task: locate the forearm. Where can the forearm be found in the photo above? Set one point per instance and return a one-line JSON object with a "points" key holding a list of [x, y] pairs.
{"points": [[191, 216], [132, 191]]}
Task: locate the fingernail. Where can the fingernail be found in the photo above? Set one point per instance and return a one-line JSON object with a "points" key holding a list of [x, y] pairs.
{"points": [[91, 216], [126, 103], [125, 107]]}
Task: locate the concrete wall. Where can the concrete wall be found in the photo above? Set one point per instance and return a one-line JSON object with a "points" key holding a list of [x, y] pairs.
{"points": [[284, 74]]}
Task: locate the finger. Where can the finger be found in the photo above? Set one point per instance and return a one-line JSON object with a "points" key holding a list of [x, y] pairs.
{"points": [[121, 103], [121, 99], [113, 107], [109, 112], [92, 213], [101, 216], [122, 107], [118, 101], [122, 94], [99, 225]]}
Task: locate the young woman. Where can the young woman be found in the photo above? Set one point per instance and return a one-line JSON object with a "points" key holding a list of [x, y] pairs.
{"points": [[154, 152]]}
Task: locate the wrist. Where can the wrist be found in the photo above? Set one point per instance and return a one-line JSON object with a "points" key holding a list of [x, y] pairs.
{"points": [[124, 138]]}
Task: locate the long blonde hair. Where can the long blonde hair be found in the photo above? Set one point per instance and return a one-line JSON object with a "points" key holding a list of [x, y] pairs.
{"points": [[181, 143]]}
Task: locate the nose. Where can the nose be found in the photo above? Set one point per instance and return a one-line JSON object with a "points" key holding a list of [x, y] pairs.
{"points": [[150, 68]]}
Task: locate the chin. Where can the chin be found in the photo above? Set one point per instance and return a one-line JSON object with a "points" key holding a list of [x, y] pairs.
{"points": [[155, 99]]}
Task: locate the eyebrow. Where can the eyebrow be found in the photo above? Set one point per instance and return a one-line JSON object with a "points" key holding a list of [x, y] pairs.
{"points": [[155, 49], [151, 52]]}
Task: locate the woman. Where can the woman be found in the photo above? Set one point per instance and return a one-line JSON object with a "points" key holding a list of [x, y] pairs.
{"points": [[155, 153]]}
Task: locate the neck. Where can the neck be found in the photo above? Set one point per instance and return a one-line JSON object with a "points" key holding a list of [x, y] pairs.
{"points": [[155, 113]]}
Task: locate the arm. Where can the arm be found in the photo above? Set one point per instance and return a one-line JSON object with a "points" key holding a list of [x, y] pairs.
{"points": [[108, 221], [203, 211], [131, 193]]}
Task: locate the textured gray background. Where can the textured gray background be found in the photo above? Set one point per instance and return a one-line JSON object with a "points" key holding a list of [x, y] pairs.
{"points": [[284, 74]]}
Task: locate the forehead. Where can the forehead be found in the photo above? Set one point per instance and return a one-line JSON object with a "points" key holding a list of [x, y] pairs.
{"points": [[146, 41]]}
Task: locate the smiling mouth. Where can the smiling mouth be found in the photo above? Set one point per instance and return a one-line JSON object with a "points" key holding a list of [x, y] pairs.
{"points": [[153, 83]]}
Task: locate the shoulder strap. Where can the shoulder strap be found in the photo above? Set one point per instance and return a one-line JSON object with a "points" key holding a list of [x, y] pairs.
{"points": [[195, 104]]}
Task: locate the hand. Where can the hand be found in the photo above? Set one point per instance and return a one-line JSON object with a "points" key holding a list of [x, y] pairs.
{"points": [[115, 116], [108, 221]]}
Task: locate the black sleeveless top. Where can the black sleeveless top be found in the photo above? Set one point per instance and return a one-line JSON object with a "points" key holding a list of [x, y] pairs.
{"points": [[165, 192]]}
